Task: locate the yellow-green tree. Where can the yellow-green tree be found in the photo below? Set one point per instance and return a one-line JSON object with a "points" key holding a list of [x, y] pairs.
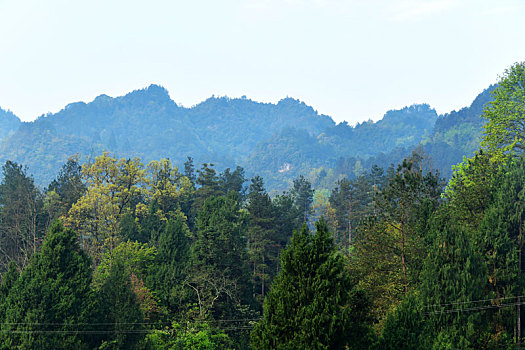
{"points": [[167, 187], [115, 187], [505, 130]]}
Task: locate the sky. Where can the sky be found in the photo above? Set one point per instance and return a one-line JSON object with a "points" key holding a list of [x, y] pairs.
{"points": [[352, 60]]}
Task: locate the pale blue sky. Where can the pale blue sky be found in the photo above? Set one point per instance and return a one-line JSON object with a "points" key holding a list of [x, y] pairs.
{"points": [[352, 60]]}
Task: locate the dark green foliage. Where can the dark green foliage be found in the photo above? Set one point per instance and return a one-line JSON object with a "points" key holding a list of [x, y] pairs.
{"points": [[169, 270], [68, 184], [352, 201], [220, 235], [52, 294], [303, 193], [189, 170], [208, 186], [120, 310], [404, 326], [400, 205], [453, 277], [218, 262], [233, 182], [263, 241], [7, 281], [312, 303], [288, 216], [130, 230]]}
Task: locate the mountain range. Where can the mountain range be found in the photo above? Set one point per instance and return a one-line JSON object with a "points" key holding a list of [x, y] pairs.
{"points": [[277, 141]]}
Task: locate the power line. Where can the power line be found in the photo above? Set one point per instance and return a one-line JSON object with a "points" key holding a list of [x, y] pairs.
{"points": [[128, 323], [477, 308], [474, 301]]}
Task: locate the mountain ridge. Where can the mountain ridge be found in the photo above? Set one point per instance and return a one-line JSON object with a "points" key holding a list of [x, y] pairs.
{"points": [[265, 138]]}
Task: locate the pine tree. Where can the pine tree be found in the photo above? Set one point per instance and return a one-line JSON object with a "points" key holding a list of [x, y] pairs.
{"points": [[68, 184], [313, 303], [262, 245], [453, 277], [404, 326], [121, 314], [233, 182], [6, 283], [169, 270], [304, 196], [50, 301], [219, 276]]}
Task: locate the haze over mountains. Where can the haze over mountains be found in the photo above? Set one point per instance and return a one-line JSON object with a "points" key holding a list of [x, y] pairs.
{"points": [[278, 141]]}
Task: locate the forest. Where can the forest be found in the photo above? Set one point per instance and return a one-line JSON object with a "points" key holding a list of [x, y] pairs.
{"points": [[120, 253]]}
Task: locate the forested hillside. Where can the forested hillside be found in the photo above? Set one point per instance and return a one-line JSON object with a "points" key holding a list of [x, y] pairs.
{"points": [[278, 141], [9, 123]]}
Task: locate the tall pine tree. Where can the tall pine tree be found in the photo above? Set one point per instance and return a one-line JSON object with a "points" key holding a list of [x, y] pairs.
{"points": [[313, 303]]}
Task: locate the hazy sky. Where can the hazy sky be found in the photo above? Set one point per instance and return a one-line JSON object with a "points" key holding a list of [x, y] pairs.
{"points": [[352, 59]]}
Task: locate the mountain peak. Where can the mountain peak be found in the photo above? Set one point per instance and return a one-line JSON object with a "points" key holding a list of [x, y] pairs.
{"points": [[153, 90]]}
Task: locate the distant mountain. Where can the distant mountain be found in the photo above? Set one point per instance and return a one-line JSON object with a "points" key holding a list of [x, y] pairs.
{"points": [[454, 135], [9, 123], [293, 152], [457, 134], [278, 141]]}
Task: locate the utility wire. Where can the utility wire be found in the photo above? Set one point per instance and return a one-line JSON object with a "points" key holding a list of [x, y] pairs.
{"points": [[477, 308], [129, 323], [474, 301]]}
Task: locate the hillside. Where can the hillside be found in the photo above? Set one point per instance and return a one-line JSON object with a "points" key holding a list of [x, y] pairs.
{"points": [[278, 141], [9, 123]]}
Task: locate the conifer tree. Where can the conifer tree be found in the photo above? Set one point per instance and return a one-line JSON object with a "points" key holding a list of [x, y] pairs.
{"points": [[453, 278], [304, 196], [68, 184], [48, 305], [262, 245], [233, 182], [169, 270], [208, 186], [121, 312], [219, 276], [313, 303], [7, 281]]}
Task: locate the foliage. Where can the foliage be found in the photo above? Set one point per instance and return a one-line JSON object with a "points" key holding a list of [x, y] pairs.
{"points": [[403, 327], [504, 130], [312, 303], [262, 246], [169, 270], [219, 272], [68, 186], [122, 316], [199, 336], [114, 189], [52, 296]]}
